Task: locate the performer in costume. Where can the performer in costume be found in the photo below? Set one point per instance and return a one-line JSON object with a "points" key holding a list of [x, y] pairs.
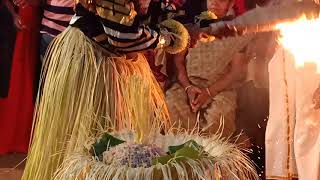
{"points": [[94, 75], [157, 59]]}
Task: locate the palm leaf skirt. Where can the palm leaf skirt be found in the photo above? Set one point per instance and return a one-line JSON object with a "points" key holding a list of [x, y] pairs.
{"points": [[84, 88]]}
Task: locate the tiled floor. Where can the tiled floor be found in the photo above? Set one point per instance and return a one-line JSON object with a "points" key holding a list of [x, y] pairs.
{"points": [[11, 166]]}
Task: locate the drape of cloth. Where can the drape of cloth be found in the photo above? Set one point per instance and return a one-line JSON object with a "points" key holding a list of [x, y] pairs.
{"points": [[157, 62], [207, 63], [292, 136], [16, 110], [7, 42]]}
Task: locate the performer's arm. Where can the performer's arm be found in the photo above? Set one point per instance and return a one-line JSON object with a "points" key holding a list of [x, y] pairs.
{"points": [[119, 36], [131, 39]]}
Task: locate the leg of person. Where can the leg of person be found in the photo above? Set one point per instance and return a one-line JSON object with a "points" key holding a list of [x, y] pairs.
{"points": [[280, 162], [45, 40], [307, 134]]}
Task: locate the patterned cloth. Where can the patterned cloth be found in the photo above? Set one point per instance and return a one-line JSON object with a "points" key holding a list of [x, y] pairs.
{"points": [[207, 63], [156, 69], [56, 16], [113, 35]]}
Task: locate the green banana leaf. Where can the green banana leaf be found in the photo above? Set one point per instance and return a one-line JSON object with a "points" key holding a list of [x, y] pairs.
{"points": [[190, 149], [190, 143], [162, 159], [104, 144]]}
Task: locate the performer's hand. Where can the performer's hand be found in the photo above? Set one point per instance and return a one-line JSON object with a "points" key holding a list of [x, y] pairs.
{"points": [[18, 22], [316, 98], [200, 100]]}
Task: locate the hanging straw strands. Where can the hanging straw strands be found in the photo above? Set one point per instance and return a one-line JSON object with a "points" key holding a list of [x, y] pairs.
{"points": [[85, 88]]}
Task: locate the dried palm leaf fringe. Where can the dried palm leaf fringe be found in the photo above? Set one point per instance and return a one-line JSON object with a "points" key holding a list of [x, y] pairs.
{"points": [[83, 87]]}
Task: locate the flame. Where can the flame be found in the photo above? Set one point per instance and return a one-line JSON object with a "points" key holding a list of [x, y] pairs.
{"points": [[302, 39]]}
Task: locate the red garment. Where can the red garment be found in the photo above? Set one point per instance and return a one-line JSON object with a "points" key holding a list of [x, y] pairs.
{"points": [[156, 70], [16, 111]]}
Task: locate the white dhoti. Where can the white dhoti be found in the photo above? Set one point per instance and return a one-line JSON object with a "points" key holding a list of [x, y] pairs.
{"points": [[293, 130]]}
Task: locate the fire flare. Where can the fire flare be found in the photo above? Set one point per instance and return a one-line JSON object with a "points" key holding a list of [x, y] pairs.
{"points": [[302, 39]]}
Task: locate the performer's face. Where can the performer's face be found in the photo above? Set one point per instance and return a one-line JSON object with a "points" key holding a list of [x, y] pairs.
{"points": [[219, 7]]}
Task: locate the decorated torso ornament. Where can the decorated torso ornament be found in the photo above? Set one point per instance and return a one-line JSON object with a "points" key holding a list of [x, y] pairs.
{"points": [[115, 25], [118, 11]]}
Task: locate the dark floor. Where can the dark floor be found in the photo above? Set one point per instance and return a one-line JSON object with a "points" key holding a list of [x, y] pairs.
{"points": [[11, 166], [252, 115]]}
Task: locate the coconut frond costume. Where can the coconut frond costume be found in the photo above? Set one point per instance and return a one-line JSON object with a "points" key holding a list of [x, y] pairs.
{"points": [[145, 154], [90, 72]]}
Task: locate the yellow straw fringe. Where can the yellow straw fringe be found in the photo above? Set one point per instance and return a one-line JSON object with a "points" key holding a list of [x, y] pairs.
{"points": [[83, 89]]}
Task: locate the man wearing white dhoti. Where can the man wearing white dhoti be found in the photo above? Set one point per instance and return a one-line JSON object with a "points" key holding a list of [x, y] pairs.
{"points": [[293, 130]]}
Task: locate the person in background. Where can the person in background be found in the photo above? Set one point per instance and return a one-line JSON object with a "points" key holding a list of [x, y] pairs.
{"points": [[16, 109], [7, 36], [55, 19], [206, 79], [10, 23], [159, 61]]}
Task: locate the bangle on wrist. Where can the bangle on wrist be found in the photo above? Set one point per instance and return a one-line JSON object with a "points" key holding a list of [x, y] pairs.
{"points": [[187, 88], [209, 93]]}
